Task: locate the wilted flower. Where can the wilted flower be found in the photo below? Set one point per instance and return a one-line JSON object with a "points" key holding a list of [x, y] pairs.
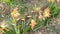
{"points": [[36, 9], [15, 13], [32, 24], [40, 16], [46, 12]]}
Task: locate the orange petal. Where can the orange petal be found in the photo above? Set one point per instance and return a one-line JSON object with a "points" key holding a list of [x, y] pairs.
{"points": [[33, 23], [46, 12], [58, 1]]}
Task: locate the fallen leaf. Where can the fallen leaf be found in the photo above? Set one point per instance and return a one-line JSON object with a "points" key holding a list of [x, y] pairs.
{"points": [[23, 19]]}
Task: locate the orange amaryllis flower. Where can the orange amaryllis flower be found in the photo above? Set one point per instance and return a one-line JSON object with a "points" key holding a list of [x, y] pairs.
{"points": [[46, 12], [32, 24], [58, 1], [15, 13]]}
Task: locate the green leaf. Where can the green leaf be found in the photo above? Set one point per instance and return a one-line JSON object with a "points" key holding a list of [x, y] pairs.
{"points": [[26, 30], [5, 0], [7, 32]]}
